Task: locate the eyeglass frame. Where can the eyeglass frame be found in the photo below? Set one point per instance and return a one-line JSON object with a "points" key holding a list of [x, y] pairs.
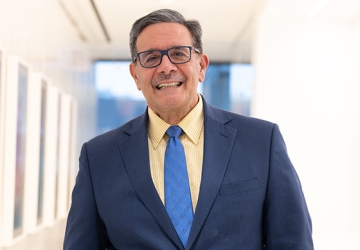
{"points": [[165, 52]]}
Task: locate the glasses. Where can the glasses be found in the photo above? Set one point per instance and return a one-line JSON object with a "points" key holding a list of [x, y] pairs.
{"points": [[176, 55]]}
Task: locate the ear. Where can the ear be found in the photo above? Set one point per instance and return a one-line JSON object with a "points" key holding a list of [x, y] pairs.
{"points": [[132, 68], [204, 63]]}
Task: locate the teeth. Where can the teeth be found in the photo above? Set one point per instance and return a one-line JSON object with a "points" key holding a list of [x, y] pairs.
{"points": [[168, 85]]}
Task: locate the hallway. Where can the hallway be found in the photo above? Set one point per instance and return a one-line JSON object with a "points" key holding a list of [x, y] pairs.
{"points": [[45, 239]]}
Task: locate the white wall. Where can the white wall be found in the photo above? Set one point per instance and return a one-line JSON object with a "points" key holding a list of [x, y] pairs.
{"points": [[40, 34], [307, 81]]}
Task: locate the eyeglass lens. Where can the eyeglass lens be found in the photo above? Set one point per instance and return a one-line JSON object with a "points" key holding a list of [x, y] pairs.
{"points": [[176, 55]]}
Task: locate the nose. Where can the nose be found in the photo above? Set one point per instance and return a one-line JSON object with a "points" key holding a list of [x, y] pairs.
{"points": [[166, 66]]}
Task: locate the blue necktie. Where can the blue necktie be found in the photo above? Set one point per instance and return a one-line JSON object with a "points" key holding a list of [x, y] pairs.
{"points": [[177, 189]]}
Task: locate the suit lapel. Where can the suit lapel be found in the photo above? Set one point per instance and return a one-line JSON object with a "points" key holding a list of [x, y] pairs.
{"points": [[135, 152], [218, 141]]}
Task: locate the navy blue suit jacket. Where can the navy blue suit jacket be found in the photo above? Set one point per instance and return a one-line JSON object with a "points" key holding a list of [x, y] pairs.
{"points": [[250, 195]]}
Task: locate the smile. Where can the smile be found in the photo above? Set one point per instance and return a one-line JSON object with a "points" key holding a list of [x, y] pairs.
{"points": [[168, 85]]}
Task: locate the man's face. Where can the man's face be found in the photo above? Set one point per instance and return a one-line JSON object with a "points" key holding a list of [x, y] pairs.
{"points": [[169, 87]]}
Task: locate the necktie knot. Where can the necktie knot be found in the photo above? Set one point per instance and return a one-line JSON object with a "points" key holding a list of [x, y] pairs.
{"points": [[174, 131]]}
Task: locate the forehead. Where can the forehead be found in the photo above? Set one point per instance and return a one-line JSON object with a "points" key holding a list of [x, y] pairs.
{"points": [[163, 36]]}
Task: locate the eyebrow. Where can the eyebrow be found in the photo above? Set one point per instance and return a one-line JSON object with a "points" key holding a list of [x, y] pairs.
{"points": [[174, 46]]}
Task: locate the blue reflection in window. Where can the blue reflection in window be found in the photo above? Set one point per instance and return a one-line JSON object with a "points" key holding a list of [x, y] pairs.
{"points": [[226, 86]]}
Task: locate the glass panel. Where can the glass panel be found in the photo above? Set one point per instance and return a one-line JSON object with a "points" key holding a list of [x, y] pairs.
{"points": [[226, 86], [57, 156], [71, 136], [42, 152], [216, 87], [1, 83], [118, 98], [20, 150], [242, 77], [0, 79], [229, 87]]}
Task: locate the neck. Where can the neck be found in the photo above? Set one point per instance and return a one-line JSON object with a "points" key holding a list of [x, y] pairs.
{"points": [[175, 116]]}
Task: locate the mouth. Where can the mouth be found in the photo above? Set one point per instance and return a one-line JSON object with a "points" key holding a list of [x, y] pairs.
{"points": [[169, 85]]}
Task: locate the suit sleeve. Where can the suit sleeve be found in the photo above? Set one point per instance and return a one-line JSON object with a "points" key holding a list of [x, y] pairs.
{"points": [[84, 229], [287, 223]]}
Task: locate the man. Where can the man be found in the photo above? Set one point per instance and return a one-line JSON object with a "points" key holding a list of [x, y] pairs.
{"points": [[242, 189]]}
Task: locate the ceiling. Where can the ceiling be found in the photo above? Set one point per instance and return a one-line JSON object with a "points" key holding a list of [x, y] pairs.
{"points": [[228, 25], [105, 24]]}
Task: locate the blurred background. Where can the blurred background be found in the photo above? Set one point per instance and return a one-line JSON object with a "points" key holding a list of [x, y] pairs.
{"points": [[64, 79]]}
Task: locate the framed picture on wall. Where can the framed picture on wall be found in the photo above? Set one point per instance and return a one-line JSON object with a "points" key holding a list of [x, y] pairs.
{"points": [[2, 124], [64, 143], [16, 88], [45, 83], [50, 151], [2, 98], [35, 145], [2, 95], [73, 152]]}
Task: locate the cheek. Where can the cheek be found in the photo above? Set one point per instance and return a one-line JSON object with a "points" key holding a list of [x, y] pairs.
{"points": [[140, 80]]}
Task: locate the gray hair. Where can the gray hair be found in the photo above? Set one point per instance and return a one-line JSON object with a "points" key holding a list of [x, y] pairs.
{"points": [[165, 16]]}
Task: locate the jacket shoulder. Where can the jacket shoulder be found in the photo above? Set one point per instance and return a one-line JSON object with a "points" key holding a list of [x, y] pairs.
{"points": [[239, 121]]}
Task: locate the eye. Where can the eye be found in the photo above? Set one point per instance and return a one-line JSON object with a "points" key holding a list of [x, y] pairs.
{"points": [[178, 54], [151, 58]]}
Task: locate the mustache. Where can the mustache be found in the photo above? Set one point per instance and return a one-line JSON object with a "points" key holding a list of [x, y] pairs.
{"points": [[168, 77]]}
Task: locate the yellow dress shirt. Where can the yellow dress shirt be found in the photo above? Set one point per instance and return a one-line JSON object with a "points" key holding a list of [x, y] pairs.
{"points": [[192, 140]]}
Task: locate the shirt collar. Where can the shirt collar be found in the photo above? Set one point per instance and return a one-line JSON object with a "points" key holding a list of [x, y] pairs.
{"points": [[192, 124]]}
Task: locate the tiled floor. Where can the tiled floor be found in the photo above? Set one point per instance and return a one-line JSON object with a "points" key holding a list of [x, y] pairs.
{"points": [[45, 239]]}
